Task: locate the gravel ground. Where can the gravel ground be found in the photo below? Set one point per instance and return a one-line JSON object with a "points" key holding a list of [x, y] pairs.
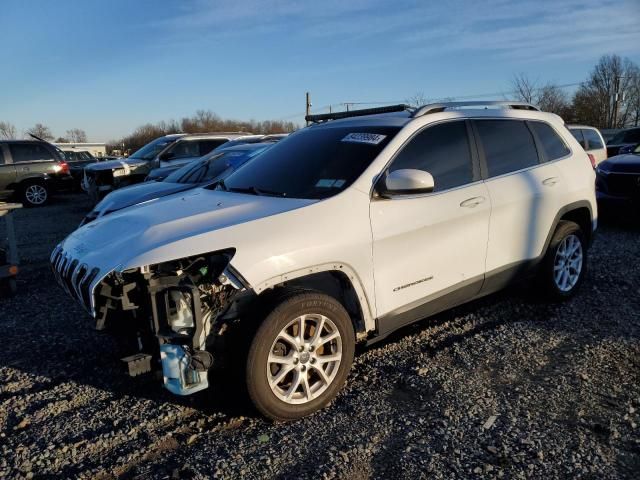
{"points": [[503, 387]]}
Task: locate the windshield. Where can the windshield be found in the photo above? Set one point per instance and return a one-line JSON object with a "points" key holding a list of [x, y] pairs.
{"points": [[214, 166], [150, 150], [79, 157], [314, 163]]}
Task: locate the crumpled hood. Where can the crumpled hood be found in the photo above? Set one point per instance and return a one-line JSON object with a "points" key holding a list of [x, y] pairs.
{"points": [[172, 227], [627, 163], [116, 164], [139, 193]]}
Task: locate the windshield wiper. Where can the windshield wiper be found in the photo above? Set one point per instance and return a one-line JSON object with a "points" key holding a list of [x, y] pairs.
{"points": [[270, 193], [250, 190]]}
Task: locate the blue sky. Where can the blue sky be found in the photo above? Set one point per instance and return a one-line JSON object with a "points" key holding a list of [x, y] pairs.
{"points": [[109, 66]]}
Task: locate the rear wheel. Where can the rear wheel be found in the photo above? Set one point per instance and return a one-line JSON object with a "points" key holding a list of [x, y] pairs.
{"points": [[300, 356], [35, 194], [564, 266]]}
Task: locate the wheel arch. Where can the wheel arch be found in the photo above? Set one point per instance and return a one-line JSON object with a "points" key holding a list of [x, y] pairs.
{"points": [[579, 212], [29, 180], [337, 280], [582, 216]]}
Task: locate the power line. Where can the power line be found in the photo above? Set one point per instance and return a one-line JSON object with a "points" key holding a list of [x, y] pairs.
{"points": [[346, 105]]}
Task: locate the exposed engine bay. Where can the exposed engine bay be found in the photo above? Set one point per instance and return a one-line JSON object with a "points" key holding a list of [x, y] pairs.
{"points": [[172, 313]]}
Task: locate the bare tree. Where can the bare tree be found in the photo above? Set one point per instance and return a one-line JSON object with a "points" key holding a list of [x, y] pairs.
{"points": [[524, 88], [417, 100], [609, 98], [7, 131], [76, 135], [549, 97], [41, 131]]}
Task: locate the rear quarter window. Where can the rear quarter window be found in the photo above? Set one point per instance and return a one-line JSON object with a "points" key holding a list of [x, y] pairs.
{"points": [[578, 135], [552, 144], [593, 139]]}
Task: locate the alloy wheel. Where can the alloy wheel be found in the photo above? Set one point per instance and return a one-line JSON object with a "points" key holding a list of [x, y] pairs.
{"points": [[568, 263], [304, 359], [36, 194]]}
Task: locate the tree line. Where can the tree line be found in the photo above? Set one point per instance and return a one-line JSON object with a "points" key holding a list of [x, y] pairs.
{"points": [[609, 98], [203, 121]]}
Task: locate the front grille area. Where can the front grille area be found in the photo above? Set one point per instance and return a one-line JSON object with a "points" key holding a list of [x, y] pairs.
{"points": [[623, 184], [74, 277]]}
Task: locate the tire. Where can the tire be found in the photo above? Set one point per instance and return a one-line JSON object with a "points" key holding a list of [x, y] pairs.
{"points": [[317, 373], [564, 266], [35, 194]]}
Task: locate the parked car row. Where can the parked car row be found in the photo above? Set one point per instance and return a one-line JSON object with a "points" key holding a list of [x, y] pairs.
{"points": [[211, 168], [340, 234], [170, 152]]}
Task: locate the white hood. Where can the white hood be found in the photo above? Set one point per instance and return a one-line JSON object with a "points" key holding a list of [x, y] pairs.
{"points": [[170, 228]]}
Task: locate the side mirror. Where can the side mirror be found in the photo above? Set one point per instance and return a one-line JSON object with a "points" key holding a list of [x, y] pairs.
{"points": [[408, 181]]}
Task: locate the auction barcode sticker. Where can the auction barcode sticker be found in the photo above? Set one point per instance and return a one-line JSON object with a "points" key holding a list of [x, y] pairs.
{"points": [[369, 138]]}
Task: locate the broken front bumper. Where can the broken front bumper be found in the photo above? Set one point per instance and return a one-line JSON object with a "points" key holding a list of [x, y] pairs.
{"points": [[174, 315]]}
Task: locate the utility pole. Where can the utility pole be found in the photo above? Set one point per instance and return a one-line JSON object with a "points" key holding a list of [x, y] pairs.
{"points": [[308, 109], [617, 99], [616, 102]]}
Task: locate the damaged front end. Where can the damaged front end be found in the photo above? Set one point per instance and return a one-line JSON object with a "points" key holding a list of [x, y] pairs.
{"points": [[171, 312]]}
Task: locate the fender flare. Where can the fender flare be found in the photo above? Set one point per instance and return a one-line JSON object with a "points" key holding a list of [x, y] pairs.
{"points": [[561, 213], [365, 304]]}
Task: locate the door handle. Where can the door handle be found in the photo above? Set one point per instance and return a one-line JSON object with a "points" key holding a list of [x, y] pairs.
{"points": [[472, 202], [551, 181]]}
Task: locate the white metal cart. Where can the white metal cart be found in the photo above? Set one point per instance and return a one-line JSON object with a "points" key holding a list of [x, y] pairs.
{"points": [[9, 265]]}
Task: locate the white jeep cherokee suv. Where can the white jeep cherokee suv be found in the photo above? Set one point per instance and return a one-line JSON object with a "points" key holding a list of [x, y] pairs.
{"points": [[347, 230]]}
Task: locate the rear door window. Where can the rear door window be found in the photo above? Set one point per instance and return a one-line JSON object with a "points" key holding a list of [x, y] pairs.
{"points": [[552, 145], [593, 139], [579, 136], [29, 152], [184, 149], [507, 144], [443, 151]]}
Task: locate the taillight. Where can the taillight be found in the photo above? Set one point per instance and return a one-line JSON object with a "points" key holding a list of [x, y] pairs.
{"points": [[592, 159], [62, 167]]}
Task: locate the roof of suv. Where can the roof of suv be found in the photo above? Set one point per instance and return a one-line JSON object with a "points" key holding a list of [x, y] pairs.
{"points": [[17, 140], [214, 135], [570, 126], [454, 109]]}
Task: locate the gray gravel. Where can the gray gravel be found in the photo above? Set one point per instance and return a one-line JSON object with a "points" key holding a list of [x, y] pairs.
{"points": [[505, 387]]}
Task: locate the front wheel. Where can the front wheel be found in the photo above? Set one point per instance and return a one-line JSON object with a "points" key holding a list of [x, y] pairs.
{"points": [[300, 356], [565, 263]]}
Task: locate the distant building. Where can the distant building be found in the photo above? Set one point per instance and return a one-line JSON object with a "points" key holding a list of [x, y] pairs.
{"points": [[95, 149]]}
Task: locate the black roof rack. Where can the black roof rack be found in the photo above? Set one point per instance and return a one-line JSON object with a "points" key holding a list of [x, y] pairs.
{"points": [[323, 117]]}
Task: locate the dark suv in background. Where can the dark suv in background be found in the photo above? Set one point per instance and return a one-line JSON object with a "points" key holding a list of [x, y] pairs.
{"points": [[30, 170], [624, 141]]}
